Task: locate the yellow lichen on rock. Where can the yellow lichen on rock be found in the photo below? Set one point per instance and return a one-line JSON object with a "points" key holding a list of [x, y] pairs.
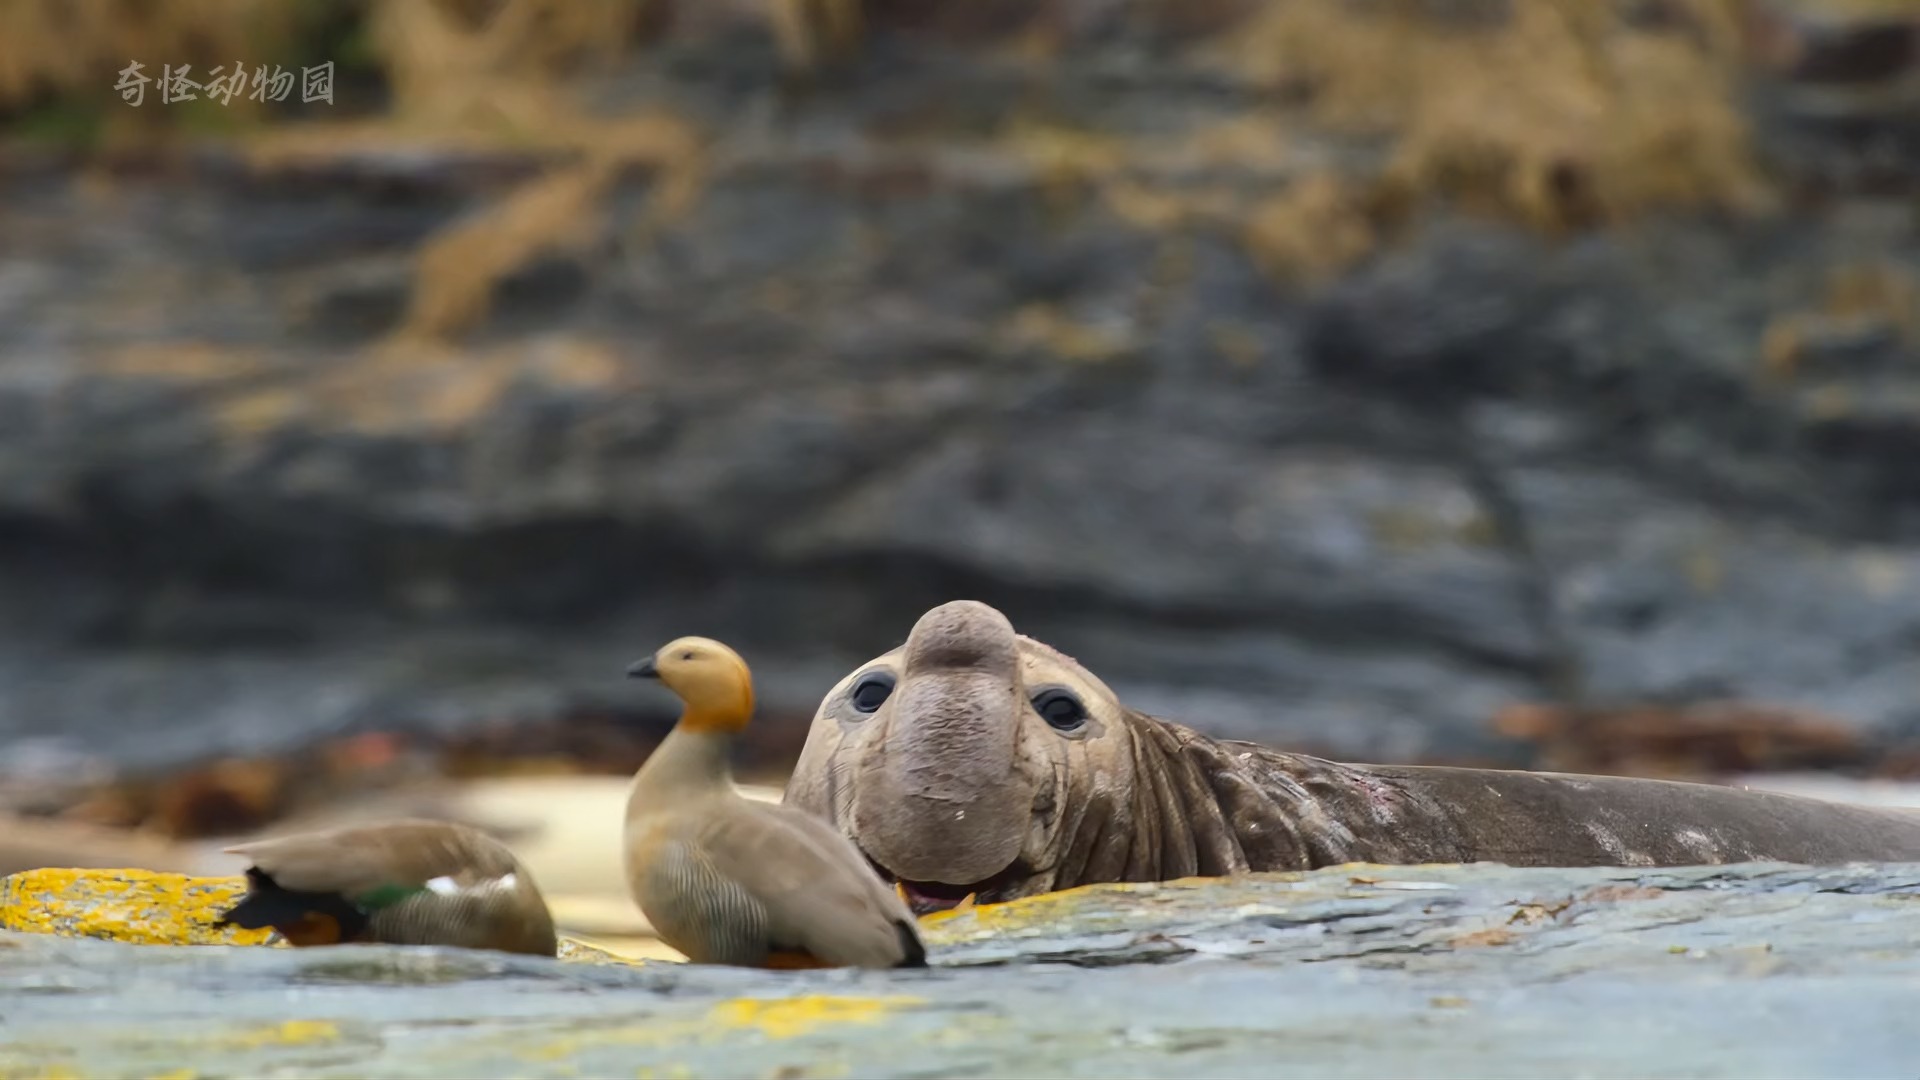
{"points": [[764, 1018], [285, 1033], [1035, 913], [142, 907], [1118, 904], [136, 906], [786, 1018]]}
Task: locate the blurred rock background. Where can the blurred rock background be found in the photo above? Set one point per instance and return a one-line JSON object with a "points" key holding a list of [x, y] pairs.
{"points": [[1474, 381]]}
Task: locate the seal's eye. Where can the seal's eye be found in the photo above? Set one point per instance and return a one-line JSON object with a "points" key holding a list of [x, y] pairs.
{"points": [[1060, 709], [688, 655], [871, 692]]}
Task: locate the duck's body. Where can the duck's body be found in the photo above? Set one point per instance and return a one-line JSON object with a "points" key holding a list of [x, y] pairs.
{"points": [[729, 880], [399, 883]]}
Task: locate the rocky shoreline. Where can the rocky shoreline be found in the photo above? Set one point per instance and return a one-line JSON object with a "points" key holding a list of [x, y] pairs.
{"points": [[945, 352], [1350, 971]]}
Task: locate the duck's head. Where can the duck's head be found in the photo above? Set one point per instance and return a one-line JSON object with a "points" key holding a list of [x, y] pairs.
{"points": [[709, 678]]}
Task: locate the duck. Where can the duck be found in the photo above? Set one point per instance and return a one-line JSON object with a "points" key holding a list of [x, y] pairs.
{"points": [[406, 882], [729, 880]]}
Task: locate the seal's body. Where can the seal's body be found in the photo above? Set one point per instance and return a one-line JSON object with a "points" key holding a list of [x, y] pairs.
{"points": [[401, 883], [730, 880], [973, 761]]}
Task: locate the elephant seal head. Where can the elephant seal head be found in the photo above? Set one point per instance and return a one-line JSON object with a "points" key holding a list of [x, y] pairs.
{"points": [[972, 761]]}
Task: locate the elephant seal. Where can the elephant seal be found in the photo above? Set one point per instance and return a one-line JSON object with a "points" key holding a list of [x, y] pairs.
{"points": [[975, 762]]}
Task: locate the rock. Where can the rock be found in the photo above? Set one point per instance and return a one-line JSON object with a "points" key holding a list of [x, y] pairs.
{"points": [[961, 324], [140, 907], [1869, 46], [1714, 739], [1350, 971], [1837, 93]]}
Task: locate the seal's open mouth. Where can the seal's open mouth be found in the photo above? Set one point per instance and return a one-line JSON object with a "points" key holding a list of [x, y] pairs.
{"points": [[925, 897]]}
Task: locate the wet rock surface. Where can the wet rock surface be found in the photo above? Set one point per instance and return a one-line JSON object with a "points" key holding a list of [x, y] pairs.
{"points": [[1744, 971], [892, 355]]}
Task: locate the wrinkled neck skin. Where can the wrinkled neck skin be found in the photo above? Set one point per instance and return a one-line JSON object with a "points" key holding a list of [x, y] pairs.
{"points": [[1255, 808], [1195, 806]]}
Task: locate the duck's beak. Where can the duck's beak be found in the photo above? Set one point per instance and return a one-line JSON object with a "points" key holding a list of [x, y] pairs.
{"points": [[643, 669]]}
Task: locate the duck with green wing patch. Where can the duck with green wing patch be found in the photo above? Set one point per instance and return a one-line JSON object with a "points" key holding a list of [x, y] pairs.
{"points": [[398, 883]]}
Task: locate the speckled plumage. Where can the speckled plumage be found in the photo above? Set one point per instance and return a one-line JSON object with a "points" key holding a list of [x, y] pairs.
{"points": [[729, 880], [401, 883]]}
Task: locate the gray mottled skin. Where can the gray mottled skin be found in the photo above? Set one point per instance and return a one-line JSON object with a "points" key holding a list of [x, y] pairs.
{"points": [[956, 784]]}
